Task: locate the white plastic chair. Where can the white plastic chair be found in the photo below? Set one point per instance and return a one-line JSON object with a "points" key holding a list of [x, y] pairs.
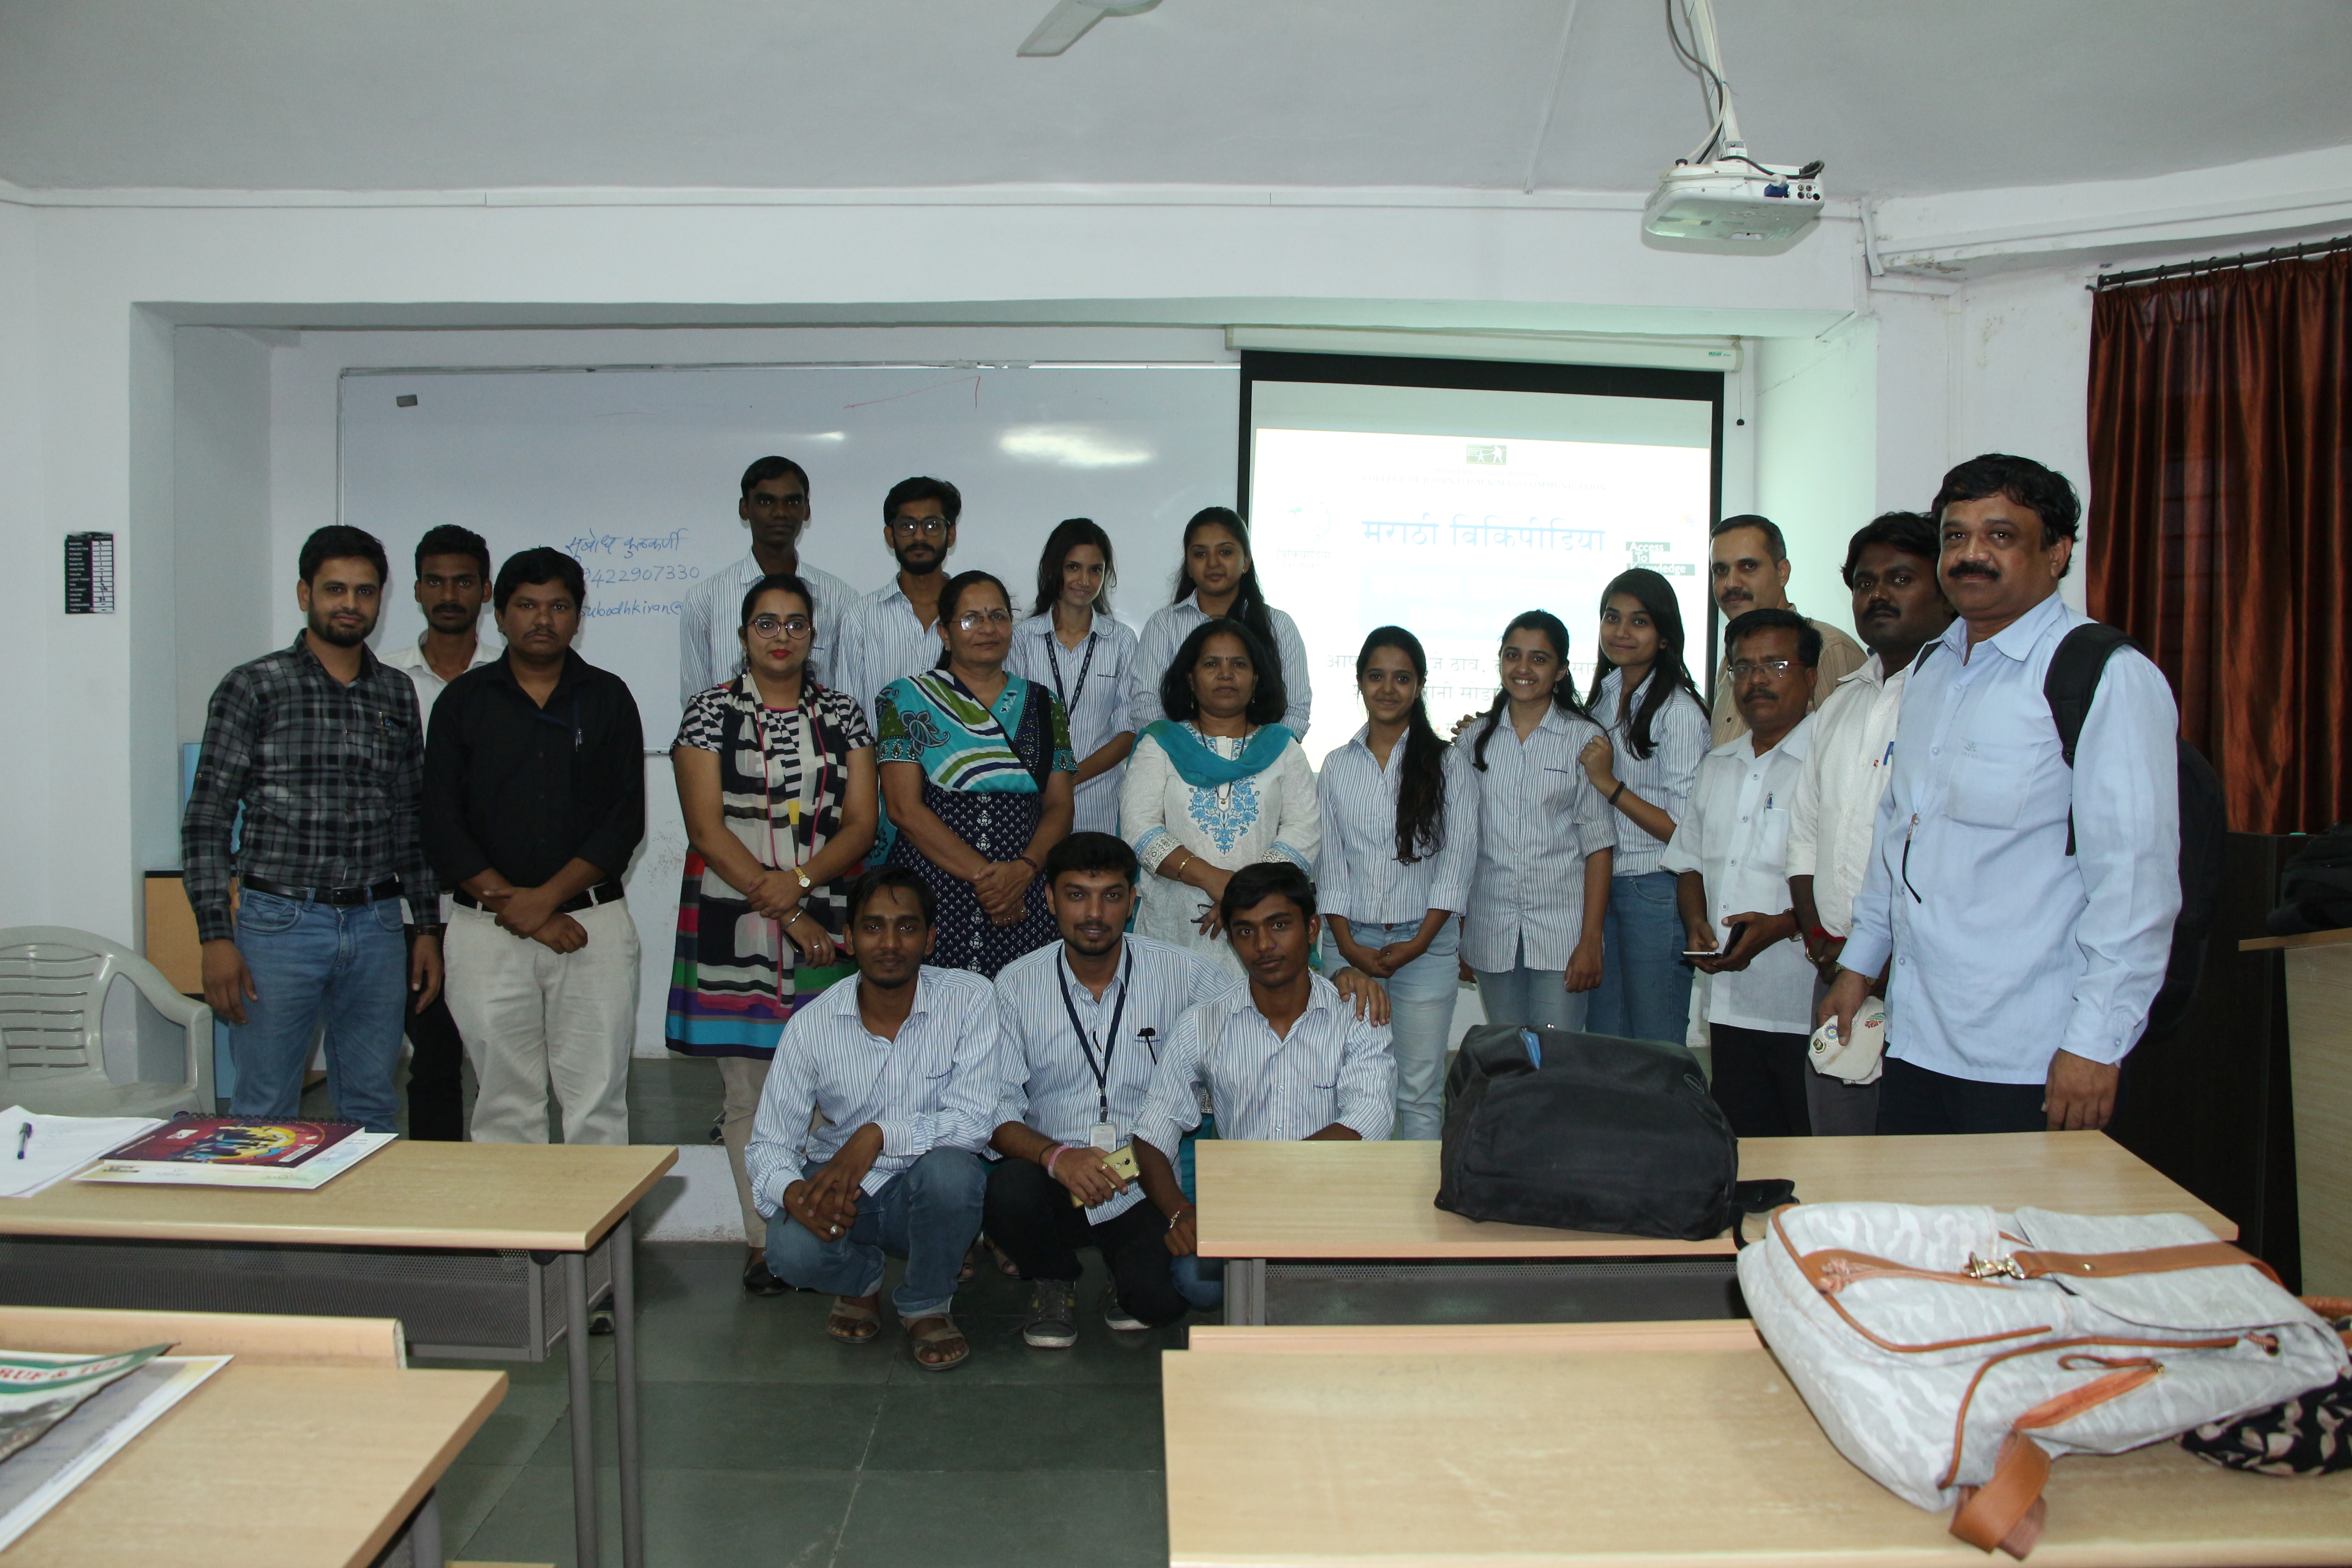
{"points": [[77, 1043]]}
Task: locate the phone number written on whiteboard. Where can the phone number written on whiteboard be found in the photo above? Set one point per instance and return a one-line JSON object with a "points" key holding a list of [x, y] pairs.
{"points": [[610, 575]]}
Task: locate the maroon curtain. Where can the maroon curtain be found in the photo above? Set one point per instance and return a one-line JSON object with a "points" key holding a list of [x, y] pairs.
{"points": [[2220, 526]]}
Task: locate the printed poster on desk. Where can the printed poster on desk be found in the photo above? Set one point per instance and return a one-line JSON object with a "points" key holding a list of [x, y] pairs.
{"points": [[232, 1152]]}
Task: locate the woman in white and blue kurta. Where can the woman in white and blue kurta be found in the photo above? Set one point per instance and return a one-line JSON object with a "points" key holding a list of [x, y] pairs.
{"points": [[1217, 785]]}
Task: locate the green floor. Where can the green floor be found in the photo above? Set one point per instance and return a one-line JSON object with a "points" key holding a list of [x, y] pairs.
{"points": [[766, 1442]]}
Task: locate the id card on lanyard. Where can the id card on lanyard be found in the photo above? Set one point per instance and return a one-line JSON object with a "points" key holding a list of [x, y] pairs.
{"points": [[1104, 1134]]}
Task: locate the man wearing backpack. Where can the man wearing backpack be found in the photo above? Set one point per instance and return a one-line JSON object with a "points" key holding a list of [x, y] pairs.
{"points": [[2028, 906]]}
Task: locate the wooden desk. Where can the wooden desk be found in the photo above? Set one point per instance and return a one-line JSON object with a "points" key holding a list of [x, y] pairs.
{"points": [[294, 1466], [2319, 1054], [1661, 1457], [1262, 1203], [564, 1199]]}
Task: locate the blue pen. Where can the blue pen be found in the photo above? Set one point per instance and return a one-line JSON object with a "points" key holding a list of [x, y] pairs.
{"points": [[1889, 757]]}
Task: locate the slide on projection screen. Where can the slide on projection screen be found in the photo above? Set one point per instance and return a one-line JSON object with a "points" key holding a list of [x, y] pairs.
{"points": [[1449, 509]]}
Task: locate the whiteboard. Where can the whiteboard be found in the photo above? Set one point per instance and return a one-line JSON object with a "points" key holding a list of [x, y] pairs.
{"points": [[635, 472]]}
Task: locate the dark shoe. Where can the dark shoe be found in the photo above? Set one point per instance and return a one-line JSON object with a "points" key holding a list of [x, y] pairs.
{"points": [[759, 1281], [1119, 1317], [600, 1317], [1053, 1322]]}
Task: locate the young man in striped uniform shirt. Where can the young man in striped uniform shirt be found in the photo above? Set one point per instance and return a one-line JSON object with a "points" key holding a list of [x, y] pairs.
{"points": [[900, 1065], [1281, 1056]]}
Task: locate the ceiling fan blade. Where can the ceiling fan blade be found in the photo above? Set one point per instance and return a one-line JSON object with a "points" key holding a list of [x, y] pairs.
{"points": [[1065, 24]]}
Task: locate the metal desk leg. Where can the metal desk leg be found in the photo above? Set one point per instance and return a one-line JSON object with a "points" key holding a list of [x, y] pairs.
{"points": [[625, 1389], [424, 1533], [583, 1407], [1246, 1290]]}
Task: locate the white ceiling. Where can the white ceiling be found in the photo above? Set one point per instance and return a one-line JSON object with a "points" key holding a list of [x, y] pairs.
{"points": [[1899, 96]]}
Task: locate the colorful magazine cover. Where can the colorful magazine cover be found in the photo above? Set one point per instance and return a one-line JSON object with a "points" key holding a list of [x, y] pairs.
{"points": [[234, 1141]]}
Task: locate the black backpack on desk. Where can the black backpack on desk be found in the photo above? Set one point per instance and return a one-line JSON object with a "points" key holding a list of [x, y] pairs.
{"points": [[1605, 1134]]}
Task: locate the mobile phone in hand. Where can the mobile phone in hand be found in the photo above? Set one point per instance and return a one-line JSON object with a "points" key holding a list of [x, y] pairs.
{"points": [[1730, 941]]}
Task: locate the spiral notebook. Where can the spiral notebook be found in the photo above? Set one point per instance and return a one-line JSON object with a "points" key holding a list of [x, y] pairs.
{"points": [[238, 1151]]}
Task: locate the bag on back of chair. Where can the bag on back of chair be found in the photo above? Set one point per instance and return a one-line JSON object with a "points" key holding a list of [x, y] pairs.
{"points": [[1952, 1356], [1601, 1134]]}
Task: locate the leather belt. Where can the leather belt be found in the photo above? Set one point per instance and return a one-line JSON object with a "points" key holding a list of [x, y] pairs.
{"points": [[341, 897], [602, 893]]}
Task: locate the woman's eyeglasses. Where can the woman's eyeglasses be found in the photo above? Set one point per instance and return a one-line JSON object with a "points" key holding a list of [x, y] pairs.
{"points": [[973, 620], [769, 627]]}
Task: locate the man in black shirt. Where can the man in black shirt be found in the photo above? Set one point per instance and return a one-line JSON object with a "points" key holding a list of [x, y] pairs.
{"points": [[534, 801], [319, 744]]}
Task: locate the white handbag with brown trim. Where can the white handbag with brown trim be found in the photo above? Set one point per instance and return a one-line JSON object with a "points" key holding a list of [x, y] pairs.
{"points": [[1951, 1353]]}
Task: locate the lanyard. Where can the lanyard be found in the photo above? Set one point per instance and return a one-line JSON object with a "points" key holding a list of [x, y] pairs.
{"points": [[1118, 1011], [1053, 663]]}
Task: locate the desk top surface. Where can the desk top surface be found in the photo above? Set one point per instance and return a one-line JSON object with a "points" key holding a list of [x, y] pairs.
{"points": [[528, 1196], [1347, 1199], [1665, 1458], [298, 1467]]}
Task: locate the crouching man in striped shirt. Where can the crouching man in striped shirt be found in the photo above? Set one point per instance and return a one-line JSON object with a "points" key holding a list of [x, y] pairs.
{"points": [[1282, 1057], [898, 1066]]}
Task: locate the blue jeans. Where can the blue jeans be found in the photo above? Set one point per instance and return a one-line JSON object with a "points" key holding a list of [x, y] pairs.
{"points": [[1421, 1016], [349, 965], [927, 1214], [1200, 1281], [1644, 992], [1531, 998]]}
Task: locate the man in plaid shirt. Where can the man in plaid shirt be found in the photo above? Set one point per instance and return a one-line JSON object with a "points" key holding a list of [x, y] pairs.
{"points": [[321, 746]]}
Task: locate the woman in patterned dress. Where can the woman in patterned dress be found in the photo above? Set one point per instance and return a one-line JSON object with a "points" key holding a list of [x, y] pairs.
{"points": [[1218, 784], [775, 777], [978, 777]]}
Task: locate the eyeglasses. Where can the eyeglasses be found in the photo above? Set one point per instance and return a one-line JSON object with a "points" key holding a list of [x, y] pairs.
{"points": [[928, 527], [769, 627], [1746, 668], [973, 620]]}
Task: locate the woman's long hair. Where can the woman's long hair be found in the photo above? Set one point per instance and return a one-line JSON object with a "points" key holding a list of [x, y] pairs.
{"points": [[1563, 696], [1267, 701], [1421, 776], [1067, 535], [957, 587], [1249, 600], [1665, 613]]}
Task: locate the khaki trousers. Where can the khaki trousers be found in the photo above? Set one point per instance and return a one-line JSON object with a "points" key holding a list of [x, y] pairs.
{"points": [[536, 1021], [742, 1078]]}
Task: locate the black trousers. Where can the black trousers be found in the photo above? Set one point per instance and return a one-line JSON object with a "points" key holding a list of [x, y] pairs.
{"points": [[1030, 1214], [437, 1094], [1913, 1099], [1759, 1081]]}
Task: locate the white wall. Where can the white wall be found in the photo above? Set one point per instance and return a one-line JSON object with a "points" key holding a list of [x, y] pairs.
{"points": [[220, 541], [1816, 468]]}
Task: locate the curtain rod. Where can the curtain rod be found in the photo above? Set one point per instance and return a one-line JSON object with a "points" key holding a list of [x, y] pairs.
{"points": [[2220, 263]]}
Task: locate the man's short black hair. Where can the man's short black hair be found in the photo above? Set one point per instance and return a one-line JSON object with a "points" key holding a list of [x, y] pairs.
{"points": [[541, 563], [2045, 493], [342, 541], [1774, 545], [1912, 532], [1808, 635], [767, 468], [1263, 880], [1269, 700], [922, 487], [861, 891], [1091, 852], [448, 539]]}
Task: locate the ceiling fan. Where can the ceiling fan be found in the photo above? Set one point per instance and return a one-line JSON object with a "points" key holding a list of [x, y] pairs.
{"points": [[1067, 22]]}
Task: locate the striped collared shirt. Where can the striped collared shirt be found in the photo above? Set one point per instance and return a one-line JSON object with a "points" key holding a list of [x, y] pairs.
{"points": [[1049, 1076], [1538, 817], [1091, 681], [1357, 874], [710, 650], [881, 641], [1678, 739], [1165, 633], [1333, 1066], [934, 1086]]}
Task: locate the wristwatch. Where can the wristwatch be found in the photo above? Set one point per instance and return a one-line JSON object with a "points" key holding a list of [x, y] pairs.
{"points": [[801, 875]]}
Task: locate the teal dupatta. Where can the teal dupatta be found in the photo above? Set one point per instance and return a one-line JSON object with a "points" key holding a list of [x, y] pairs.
{"points": [[1199, 765]]}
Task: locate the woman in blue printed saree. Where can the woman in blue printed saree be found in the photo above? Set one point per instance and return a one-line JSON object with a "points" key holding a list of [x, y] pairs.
{"points": [[1217, 785], [775, 780], [978, 777]]}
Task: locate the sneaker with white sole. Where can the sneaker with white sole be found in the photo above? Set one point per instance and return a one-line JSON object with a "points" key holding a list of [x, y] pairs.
{"points": [[1053, 1322], [1119, 1317]]}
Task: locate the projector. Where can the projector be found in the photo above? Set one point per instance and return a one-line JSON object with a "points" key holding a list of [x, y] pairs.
{"points": [[1733, 199]]}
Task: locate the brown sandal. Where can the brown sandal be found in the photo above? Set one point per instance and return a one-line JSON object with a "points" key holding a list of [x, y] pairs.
{"points": [[937, 1331], [851, 1321]]}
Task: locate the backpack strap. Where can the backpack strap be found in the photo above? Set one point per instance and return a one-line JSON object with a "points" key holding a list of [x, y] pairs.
{"points": [[2071, 681]]}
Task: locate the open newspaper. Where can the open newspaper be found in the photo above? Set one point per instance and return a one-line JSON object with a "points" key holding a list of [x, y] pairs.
{"points": [[62, 1416]]}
